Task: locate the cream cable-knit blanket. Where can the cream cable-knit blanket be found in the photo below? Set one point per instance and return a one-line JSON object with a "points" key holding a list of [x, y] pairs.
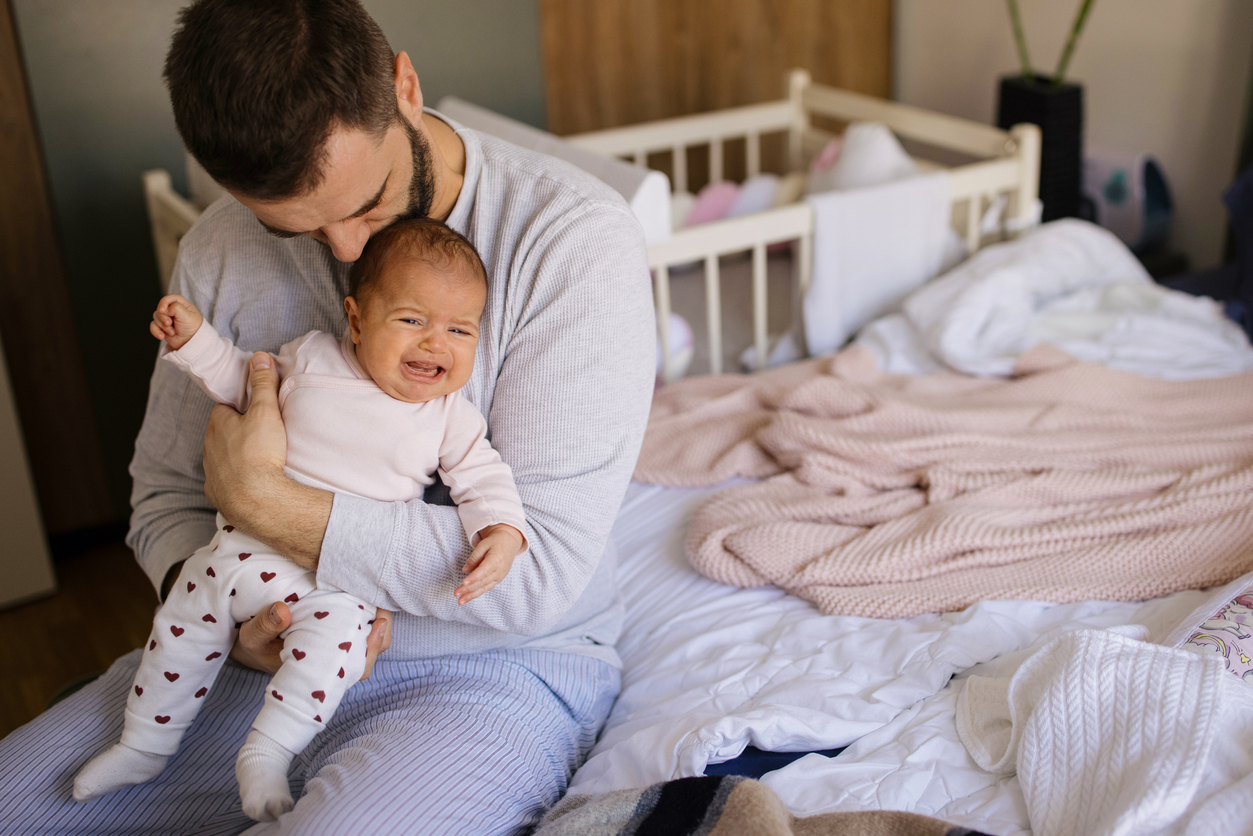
{"points": [[892, 495]]}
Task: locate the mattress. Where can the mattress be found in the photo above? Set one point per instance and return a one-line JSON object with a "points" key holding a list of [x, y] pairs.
{"points": [[709, 670]]}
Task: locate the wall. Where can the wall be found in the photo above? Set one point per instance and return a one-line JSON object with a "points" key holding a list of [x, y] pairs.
{"points": [[94, 71], [1164, 76]]}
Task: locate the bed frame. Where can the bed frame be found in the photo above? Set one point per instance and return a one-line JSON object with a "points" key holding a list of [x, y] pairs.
{"points": [[994, 197]]}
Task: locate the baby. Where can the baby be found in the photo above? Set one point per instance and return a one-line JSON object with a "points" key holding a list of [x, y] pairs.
{"points": [[376, 414]]}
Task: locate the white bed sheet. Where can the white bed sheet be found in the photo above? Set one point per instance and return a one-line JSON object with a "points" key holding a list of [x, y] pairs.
{"points": [[710, 669]]}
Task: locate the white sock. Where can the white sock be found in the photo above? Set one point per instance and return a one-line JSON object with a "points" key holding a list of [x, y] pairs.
{"points": [[115, 768], [261, 769]]}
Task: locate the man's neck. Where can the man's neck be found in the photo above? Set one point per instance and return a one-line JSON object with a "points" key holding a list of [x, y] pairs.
{"points": [[450, 165]]}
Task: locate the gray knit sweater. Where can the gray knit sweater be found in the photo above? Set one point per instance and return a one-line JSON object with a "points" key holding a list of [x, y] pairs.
{"points": [[563, 374]]}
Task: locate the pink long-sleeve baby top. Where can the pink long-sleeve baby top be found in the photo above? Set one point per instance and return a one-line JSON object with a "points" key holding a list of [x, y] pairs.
{"points": [[345, 434]]}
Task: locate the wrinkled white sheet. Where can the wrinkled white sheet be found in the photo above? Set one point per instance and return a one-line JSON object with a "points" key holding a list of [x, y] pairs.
{"points": [[710, 669], [1070, 283]]}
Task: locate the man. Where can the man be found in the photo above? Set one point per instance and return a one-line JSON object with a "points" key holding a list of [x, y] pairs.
{"points": [[476, 715]]}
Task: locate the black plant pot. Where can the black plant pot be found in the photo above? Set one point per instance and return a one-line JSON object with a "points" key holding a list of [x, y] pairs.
{"points": [[1058, 110]]}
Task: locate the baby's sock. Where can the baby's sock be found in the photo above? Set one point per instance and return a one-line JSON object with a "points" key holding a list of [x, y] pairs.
{"points": [[262, 772], [118, 767]]}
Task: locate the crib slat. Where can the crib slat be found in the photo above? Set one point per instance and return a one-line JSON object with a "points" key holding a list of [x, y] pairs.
{"points": [[715, 159], [713, 312], [760, 337], [662, 292], [680, 168], [641, 157], [752, 153], [972, 223]]}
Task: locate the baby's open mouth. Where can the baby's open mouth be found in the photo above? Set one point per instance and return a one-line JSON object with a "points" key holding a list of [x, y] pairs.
{"points": [[423, 371]]}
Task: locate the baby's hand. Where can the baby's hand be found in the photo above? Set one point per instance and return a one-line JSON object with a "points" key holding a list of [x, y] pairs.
{"points": [[175, 320], [490, 561]]}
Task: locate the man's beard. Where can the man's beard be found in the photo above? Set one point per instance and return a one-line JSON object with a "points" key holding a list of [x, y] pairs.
{"points": [[422, 182]]}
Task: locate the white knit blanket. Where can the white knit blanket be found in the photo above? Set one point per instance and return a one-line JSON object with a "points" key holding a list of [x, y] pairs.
{"points": [[1110, 735]]}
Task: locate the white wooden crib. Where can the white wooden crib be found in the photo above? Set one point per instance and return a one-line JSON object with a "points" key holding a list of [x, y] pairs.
{"points": [[1004, 174]]}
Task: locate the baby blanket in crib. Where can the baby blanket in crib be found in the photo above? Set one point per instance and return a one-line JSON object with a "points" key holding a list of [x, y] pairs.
{"points": [[893, 495]]}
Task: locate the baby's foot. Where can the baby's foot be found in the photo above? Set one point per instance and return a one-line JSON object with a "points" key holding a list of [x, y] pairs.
{"points": [[261, 769], [118, 767]]}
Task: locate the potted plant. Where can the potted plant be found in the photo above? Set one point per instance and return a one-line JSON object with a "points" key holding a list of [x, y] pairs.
{"points": [[1057, 107]]}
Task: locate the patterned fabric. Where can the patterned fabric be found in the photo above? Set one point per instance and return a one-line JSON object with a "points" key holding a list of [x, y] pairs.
{"points": [[1228, 633], [721, 806], [396, 753]]}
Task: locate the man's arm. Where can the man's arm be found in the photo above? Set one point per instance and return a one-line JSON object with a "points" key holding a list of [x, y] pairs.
{"points": [[568, 416]]}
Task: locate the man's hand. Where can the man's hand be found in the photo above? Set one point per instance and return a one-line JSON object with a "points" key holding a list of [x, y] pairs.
{"points": [[490, 561], [244, 456], [259, 644]]}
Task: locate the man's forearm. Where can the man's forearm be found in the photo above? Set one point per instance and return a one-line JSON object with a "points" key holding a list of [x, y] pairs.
{"points": [[287, 516]]}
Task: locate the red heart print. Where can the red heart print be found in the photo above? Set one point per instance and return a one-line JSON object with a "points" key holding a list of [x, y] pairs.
{"points": [[209, 619], [299, 654], [318, 717], [177, 631], [162, 720], [210, 572], [320, 696], [320, 615], [245, 555], [371, 621], [212, 656], [291, 599], [139, 692], [341, 673], [171, 676], [190, 586], [232, 594], [152, 644], [201, 692], [228, 528], [360, 607], [266, 577], [345, 645], [277, 696], [358, 626]]}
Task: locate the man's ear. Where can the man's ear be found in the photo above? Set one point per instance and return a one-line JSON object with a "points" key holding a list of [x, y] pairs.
{"points": [[408, 91], [354, 318]]}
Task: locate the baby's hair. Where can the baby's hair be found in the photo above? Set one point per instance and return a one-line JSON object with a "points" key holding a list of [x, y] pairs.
{"points": [[422, 239]]}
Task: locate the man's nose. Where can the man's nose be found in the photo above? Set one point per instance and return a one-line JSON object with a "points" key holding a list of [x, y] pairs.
{"points": [[347, 238]]}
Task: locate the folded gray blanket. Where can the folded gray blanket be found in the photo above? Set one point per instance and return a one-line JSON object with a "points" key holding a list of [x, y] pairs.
{"points": [[721, 805]]}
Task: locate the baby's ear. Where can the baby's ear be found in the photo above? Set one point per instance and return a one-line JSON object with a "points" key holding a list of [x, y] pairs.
{"points": [[354, 318]]}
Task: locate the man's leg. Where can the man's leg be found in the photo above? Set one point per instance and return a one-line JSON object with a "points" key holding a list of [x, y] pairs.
{"points": [[197, 792], [477, 744]]}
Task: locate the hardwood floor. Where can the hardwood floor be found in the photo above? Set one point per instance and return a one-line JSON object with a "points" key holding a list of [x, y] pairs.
{"points": [[104, 608]]}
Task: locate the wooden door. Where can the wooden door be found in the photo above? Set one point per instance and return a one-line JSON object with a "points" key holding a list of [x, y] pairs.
{"points": [[36, 323]]}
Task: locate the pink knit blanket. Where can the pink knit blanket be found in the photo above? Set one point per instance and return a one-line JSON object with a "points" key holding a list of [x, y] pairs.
{"points": [[890, 495]]}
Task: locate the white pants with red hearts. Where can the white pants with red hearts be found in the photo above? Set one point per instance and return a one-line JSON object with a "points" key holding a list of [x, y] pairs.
{"points": [[221, 586]]}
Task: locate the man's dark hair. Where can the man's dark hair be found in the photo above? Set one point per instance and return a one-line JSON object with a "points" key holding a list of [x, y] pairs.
{"points": [[258, 86], [421, 239]]}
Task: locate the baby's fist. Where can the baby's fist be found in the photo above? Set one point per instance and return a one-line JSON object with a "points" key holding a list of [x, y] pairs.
{"points": [[175, 320]]}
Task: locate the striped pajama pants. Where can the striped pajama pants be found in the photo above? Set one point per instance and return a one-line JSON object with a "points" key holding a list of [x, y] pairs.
{"points": [[455, 744]]}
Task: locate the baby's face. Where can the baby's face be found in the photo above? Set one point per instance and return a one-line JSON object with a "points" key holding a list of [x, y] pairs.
{"points": [[417, 329]]}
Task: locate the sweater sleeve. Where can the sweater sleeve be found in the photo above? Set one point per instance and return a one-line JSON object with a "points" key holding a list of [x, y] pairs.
{"points": [[479, 482], [567, 415]]}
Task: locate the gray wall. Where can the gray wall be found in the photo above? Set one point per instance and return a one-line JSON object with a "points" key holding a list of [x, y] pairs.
{"points": [[94, 71]]}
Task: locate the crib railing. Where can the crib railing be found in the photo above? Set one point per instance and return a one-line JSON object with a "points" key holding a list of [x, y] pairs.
{"points": [[995, 196]]}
